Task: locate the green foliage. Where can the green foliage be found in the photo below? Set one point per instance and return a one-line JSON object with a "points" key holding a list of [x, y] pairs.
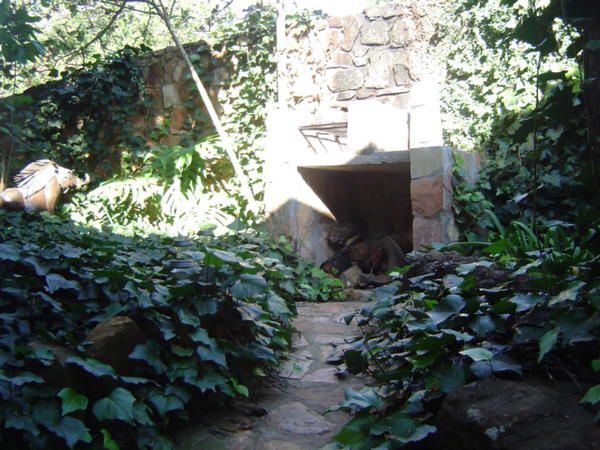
{"points": [[211, 327], [524, 102], [430, 334], [84, 120]]}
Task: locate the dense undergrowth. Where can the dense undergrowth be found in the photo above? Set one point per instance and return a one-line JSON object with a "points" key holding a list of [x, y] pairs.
{"points": [[211, 332], [531, 308]]}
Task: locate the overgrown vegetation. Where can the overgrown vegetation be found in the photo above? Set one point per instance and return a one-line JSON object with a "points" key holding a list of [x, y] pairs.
{"points": [[531, 308], [214, 318], [527, 304]]}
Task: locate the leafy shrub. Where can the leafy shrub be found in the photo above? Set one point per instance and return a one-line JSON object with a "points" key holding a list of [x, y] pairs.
{"points": [[211, 330], [430, 334]]}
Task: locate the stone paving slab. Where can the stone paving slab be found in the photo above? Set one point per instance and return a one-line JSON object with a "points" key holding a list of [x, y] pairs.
{"points": [[297, 417]]}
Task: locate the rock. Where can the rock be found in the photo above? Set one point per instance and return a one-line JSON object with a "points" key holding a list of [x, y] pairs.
{"points": [[345, 80], [374, 33], [327, 375], [402, 32], [112, 342], [351, 30], [379, 73], [335, 22], [178, 116], [179, 71], [509, 415], [361, 61], [351, 276], [358, 295], [170, 95], [385, 11], [340, 59], [296, 418], [345, 96], [402, 75], [360, 51], [365, 93]]}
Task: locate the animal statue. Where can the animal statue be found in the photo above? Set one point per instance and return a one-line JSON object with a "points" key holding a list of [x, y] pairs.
{"points": [[39, 185]]}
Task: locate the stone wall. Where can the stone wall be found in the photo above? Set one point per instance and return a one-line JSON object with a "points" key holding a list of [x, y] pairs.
{"points": [[174, 103], [378, 54], [376, 76]]}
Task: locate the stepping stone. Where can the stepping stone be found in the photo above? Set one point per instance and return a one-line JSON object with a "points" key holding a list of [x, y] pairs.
{"points": [[297, 366], [296, 418], [322, 376]]}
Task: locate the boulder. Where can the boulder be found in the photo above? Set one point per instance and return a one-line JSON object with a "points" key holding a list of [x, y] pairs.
{"points": [[514, 415], [113, 340]]}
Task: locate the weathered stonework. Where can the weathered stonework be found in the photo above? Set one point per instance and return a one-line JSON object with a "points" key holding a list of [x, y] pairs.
{"points": [[344, 80], [374, 33]]}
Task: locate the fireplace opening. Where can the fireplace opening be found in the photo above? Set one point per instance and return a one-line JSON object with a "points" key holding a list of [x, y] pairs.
{"points": [[373, 218]]}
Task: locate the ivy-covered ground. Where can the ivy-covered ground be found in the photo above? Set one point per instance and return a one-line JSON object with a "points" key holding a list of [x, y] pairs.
{"points": [[210, 320]]}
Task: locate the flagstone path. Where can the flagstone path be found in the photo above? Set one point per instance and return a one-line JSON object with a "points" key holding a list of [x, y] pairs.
{"points": [[291, 416]]}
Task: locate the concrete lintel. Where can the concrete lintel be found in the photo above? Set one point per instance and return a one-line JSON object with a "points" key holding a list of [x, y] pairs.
{"points": [[379, 161], [430, 161]]}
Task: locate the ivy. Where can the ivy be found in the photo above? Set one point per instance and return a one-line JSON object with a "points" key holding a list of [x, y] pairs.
{"points": [[210, 329]]}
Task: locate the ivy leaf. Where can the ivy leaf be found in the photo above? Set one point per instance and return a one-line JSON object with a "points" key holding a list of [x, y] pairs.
{"points": [[72, 401], [165, 404], [150, 354], [9, 252], [25, 378], [447, 307], [547, 342], [117, 406], [55, 281], [592, 395], [92, 366], [249, 286], [239, 388], [24, 423], [570, 293], [478, 354], [107, 441], [72, 430], [525, 302]]}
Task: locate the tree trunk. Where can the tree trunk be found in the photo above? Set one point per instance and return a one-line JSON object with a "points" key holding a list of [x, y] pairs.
{"points": [[591, 94], [282, 92], [227, 144]]}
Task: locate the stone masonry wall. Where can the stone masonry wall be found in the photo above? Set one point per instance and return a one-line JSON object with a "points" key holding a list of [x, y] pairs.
{"points": [[378, 54]]}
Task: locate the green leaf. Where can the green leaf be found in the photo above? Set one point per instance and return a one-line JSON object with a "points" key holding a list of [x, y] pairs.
{"points": [[23, 423], [55, 282], [449, 378], [478, 354], [592, 395], [26, 378], [249, 286], [92, 366], [107, 441], [547, 342], [72, 401], [9, 252], [165, 404], [569, 294], [525, 302], [240, 388], [72, 430], [448, 306], [150, 354], [117, 406]]}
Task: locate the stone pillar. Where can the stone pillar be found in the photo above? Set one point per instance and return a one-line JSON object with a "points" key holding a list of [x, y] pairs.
{"points": [[291, 206], [431, 196], [425, 116]]}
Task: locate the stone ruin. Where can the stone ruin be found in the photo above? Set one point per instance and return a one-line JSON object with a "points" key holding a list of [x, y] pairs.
{"points": [[356, 170]]}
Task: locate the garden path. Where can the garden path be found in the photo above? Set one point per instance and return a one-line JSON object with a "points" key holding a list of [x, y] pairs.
{"points": [[295, 416]]}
